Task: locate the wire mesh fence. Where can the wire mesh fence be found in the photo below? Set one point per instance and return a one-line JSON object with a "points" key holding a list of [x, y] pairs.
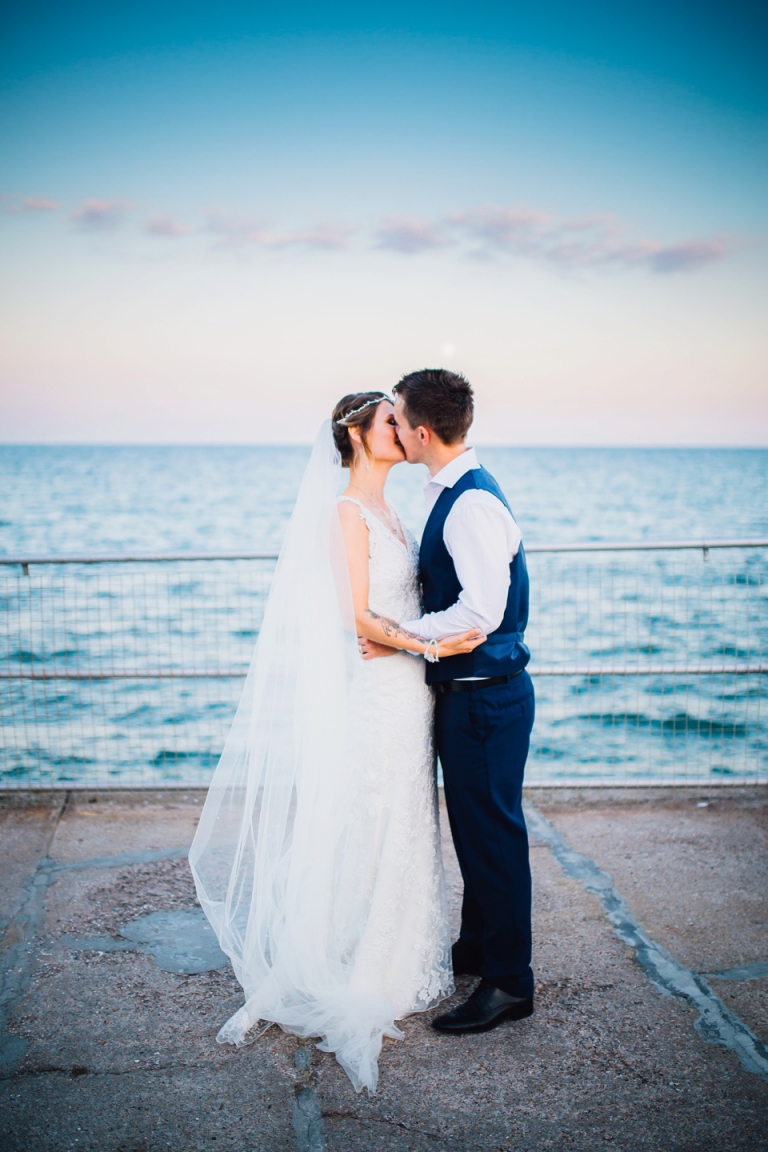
{"points": [[650, 664], [124, 672]]}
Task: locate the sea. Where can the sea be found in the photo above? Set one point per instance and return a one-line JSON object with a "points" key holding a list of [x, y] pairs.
{"points": [[644, 663], [107, 499]]}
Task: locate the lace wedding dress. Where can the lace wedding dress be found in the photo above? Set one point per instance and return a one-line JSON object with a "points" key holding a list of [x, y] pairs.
{"points": [[317, 857], [395, 869]]}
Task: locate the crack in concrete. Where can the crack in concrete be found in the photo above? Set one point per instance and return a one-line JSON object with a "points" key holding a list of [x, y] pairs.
{"points": [[345, 1115], [715, 1022], [77, 1070], [390, 1123]]}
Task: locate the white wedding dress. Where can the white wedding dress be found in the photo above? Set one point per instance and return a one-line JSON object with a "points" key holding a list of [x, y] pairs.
{"points": [[399, 926], [317, 857]]}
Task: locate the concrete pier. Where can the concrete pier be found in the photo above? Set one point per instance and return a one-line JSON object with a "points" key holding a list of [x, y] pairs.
{"points": [[650, 1029]]}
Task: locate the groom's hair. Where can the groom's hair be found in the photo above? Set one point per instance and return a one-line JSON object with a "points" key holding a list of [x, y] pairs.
{"points": [[439, 400]]}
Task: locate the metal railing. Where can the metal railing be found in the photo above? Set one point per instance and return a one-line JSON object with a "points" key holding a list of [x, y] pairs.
{"points": [[125, 670]]}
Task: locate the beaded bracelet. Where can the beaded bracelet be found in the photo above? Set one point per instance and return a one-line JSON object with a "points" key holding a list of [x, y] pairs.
{"points": [[433, 656]]}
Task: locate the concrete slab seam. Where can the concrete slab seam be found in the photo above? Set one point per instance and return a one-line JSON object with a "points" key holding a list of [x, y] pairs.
{"points": [[754, 971], [715, 1023], [16, 955], [307, 1117]]}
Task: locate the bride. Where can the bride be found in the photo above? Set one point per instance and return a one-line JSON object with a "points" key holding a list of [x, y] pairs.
{"points": [[317, 856]]}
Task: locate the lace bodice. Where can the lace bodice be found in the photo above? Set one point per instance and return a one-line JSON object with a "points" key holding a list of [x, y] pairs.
{"points": [[393, 569]]}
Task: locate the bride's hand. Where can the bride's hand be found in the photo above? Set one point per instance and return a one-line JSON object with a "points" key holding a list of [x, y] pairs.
{"points": [[460, 643], [369, 649]]}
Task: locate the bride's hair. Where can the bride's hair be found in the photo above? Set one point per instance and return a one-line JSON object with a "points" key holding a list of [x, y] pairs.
{"points": [[357, 410]]}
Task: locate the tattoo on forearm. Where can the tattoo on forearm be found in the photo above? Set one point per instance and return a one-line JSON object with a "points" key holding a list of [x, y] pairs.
{"points": [[391, 628]]}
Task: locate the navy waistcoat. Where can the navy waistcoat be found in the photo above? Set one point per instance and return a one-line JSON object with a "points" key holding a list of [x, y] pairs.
{"points": [[504, 651]]}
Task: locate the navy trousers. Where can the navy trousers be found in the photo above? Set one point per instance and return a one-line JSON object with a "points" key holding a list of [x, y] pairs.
{"points": [[482, 739]]}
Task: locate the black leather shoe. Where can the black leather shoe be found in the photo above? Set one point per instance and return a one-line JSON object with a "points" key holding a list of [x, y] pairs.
{"points": [[486, 1008], [464, 961]]}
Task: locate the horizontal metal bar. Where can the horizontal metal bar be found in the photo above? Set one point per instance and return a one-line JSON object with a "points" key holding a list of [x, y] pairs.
{"points": [[133, 674], [536, 670], [174, 557], [649, 670], [133, 557], [741, 780], [647, 546]]}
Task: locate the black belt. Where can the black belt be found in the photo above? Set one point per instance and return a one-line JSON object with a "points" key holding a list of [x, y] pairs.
{"points": [[468, 685]]}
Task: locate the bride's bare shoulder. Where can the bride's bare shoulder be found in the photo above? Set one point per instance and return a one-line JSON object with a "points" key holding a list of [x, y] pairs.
{"points": [[351, 515], [349, 508]]}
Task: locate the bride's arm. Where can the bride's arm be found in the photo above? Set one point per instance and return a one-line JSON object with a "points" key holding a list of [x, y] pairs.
{"points": [[370, 624]]}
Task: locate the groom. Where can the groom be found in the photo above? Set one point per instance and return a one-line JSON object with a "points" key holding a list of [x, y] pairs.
{"points": [[473, 575]]}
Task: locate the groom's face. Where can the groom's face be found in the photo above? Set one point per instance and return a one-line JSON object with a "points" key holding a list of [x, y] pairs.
{"points": [[410, 438]]}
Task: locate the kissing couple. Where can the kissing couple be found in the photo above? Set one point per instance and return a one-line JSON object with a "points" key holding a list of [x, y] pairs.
{"points": [[317, 857]]}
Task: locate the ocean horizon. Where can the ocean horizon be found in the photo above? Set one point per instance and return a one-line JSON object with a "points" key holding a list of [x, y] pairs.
{"points": [[58, 498]]}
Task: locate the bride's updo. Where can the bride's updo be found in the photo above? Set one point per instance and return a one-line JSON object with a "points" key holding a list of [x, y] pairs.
{"points": [[366, 401]]}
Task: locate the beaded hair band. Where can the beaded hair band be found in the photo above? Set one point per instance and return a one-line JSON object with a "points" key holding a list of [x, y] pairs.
{"points": [[356, 412]]}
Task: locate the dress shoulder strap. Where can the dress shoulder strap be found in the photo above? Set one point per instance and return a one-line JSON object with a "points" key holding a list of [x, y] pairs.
{"points": [[365, 513], [374, 522]]}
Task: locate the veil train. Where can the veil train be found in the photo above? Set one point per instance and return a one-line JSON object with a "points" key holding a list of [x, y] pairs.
{"points": [[267, 853]]}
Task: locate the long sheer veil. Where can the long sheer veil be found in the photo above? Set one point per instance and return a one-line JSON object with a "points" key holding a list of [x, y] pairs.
{"points": [[267, 850]]}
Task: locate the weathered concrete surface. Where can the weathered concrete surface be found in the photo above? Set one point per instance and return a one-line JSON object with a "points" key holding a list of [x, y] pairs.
{"points": [[694, 868], [120, 1055], [103, 826]]}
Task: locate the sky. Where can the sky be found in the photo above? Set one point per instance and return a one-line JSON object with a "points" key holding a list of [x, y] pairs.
{"points": [[215, 220]]}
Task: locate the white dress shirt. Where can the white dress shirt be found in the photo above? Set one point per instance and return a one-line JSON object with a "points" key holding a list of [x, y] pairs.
{"points": [[482, 539]]}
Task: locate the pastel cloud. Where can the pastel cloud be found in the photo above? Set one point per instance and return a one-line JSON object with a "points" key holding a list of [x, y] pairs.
{"points": [[693, 254], [585, 242], [515, 229], [409, 235], [325, 237], [19, 204], [332, 237], [599, 240], [222, 224], [166, 226], [97, 214]]}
